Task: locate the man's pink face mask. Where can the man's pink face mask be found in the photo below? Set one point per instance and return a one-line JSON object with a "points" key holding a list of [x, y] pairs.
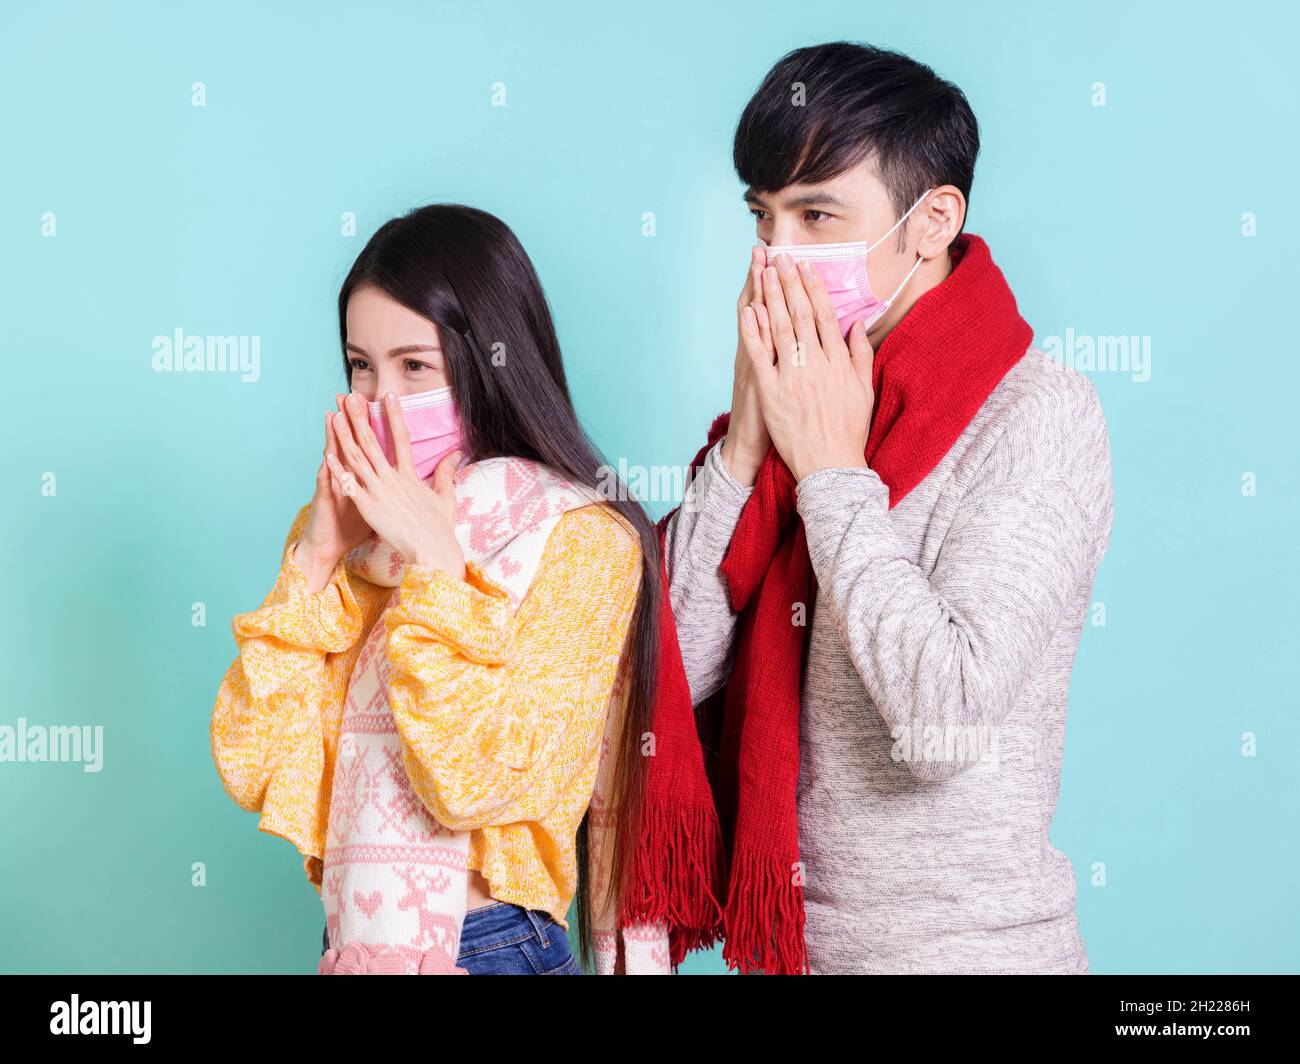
{"points": [[843, 270]]}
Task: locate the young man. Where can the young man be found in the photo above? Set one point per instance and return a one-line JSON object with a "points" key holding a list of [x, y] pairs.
{"points": [[887, 562]]}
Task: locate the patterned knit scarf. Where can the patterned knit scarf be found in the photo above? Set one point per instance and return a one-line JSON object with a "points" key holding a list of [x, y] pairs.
{"points": [[394, 883], [730, 829]]}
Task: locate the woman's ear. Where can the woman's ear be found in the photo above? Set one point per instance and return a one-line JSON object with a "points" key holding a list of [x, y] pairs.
{"points": [[941, 219]]}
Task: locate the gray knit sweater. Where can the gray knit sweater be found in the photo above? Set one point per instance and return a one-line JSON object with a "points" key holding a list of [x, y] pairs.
{"points": [[933, 708]]}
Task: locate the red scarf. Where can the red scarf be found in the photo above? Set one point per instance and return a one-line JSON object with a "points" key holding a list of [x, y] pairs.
{"points": [[729, 828]]}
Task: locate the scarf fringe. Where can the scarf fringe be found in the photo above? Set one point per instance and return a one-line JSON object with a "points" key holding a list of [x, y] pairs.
{"points": [[676, 878], [764, 918]]}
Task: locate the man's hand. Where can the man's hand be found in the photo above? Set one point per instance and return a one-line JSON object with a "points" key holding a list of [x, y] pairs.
{"points": [[816, 400], [747, 441]]}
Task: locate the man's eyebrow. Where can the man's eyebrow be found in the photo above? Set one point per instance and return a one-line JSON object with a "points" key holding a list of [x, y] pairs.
{"points": [[816, 198], [409, 349]]}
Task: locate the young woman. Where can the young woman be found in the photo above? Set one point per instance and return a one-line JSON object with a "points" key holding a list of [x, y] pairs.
{"points": [[458, 655]]}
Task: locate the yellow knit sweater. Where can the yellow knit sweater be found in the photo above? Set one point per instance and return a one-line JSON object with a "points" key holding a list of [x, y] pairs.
{"points": [[500, 717]]}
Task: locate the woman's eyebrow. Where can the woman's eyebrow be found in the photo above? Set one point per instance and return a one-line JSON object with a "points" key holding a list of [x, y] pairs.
{"points": [[409, 349]]}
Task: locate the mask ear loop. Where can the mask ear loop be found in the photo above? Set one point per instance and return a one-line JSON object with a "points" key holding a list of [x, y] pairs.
{"points": [[900, 220], [916, 265]]}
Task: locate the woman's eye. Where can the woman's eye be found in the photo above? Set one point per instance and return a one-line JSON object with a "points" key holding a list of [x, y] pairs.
{"points": [[415, 366], [359, 364]]}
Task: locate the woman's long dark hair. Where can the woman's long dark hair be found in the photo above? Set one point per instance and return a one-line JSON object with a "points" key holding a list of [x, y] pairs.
{"points": [[464, 270]]}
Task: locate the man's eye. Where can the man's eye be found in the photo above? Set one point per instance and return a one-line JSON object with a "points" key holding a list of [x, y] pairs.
{"points": [[758, 213], [808, 216]]}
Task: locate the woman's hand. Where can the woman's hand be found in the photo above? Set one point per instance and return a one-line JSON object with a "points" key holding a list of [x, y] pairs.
{"points": [[334, 525], [416, 517], [748, 441]]}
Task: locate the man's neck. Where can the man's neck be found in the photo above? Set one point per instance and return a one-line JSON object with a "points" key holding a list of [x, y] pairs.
{"points": [[928, 275]]}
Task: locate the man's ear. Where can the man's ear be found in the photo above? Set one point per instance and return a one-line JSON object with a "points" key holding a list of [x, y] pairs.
{"points": [[941, 219]]}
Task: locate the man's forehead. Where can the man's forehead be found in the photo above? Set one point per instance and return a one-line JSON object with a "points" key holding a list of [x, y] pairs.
{"points": [[855, 187]]}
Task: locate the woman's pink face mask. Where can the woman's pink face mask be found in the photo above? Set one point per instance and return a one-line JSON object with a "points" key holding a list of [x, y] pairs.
{"points": [[432, 422]]}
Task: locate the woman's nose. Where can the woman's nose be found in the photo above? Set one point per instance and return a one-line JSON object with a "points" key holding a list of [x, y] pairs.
{"points": [[380, 385]]}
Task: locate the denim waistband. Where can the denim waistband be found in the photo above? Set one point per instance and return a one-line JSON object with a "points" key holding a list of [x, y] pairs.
{"points": [[501, 922]]}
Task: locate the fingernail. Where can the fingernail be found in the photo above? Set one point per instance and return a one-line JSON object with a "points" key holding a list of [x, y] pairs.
{"points": [[805, 268]]}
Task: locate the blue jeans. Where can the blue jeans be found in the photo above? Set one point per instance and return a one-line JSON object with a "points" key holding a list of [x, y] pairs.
{"points": [[506, 939]]}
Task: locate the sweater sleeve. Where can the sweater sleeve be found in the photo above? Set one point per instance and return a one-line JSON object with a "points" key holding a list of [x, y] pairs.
{"points": [[954, 649], [266, 727], [499, 714], [697, 538]]}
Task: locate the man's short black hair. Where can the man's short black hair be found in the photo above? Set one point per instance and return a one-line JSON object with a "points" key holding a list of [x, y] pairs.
{"points": [[856, 102]]}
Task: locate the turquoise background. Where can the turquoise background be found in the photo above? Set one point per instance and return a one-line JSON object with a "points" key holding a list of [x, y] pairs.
{"points": [[176, 489]]}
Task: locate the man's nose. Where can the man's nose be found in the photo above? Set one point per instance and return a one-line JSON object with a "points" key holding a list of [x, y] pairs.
{"points": [[784, 232]]}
